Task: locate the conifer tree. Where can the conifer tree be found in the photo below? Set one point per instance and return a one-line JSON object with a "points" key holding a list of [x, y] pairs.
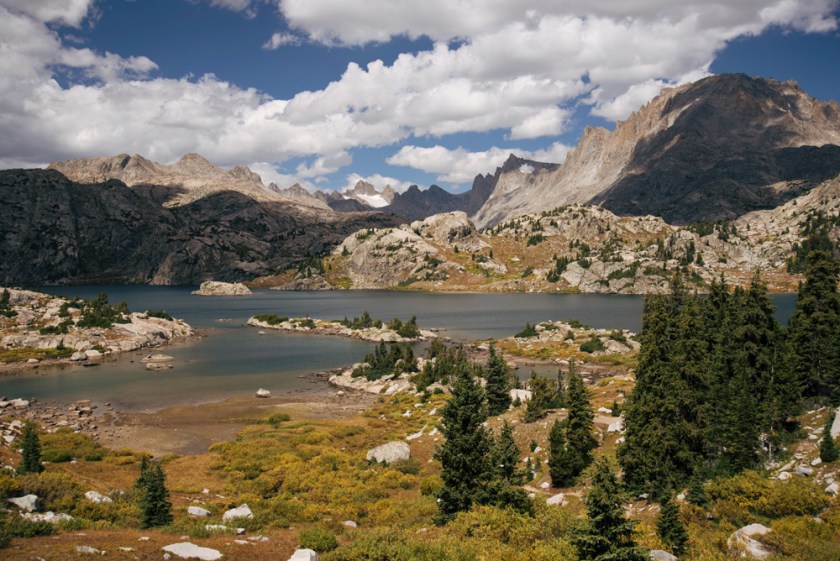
{"points": [[815, 329], [561, 463], [30, 461], [465, 454], [504, 489], [609, 535], [671, 529], [578, 424], [155, 507], [498, 383], [828, 447]]}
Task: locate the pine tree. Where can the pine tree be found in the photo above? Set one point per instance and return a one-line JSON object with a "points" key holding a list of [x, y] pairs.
{"points": [[609, 535], [498, 383], [561, 462], [504, 489], [671, 530], [815, 329], [155, 507], [828, 447], [30, 461], [465, 454]]}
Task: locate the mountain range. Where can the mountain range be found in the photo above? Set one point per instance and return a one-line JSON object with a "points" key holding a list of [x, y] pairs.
{"points": [[711, 151]]}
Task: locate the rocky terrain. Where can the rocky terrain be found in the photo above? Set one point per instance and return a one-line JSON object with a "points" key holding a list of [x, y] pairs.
{"points": [[215, 288], [38, 326], [58, 231], [383, 333], [582, 248], [710, 150], [190, 178]]}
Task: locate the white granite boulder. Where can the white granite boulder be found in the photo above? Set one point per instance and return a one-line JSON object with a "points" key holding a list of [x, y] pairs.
{"points": [[742, 541], [262, 392], [187, 550], [304, 555], [98, 498], [26, 503], [660, 555], [242, 511], [198, 511], [389, 453]]}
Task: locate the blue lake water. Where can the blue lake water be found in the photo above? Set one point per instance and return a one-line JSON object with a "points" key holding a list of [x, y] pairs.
{"points": [[234, 360]]}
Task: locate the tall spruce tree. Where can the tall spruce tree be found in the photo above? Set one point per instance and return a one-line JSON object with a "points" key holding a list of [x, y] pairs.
{"points": [[155, 507], [578, 424], [465, 454], [498, 383], [505, 487], [608, 535], [671, 530], [561, 462], [30, 460], [815, 329]]}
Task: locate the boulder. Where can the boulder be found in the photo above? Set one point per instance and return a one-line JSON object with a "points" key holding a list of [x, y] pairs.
{"points": [[156, 358], [88, 550], [833, 489], [660, 555], [523, 395], [216, 528], [835, 426], [242, 511], [742, 541], [389, 453], [350, 524], [49, 517], [558, 499], [198, 511], [187, 550], [804, 471], [215, 288], [262, 392], [95, 497], [26, 503], [783, 476], [304, 555], [78, 356]]}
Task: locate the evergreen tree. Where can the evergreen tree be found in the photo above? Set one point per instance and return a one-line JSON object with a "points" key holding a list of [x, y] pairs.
{"points": [[561, 462], [465, 454], [828, 447], [697, 492], [578, 424], [30, 461], [609, 535], [671, 530], [815, 329], [155, 507], [498, 383], [504, 489]]}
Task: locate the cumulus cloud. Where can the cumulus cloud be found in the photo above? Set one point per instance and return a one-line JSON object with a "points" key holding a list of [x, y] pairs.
{"points": [[377, 180], [517, 67], [459, 165], [277, 40]]}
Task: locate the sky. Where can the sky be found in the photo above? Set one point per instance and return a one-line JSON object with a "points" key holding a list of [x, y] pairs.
{"points": [[327, 92]]}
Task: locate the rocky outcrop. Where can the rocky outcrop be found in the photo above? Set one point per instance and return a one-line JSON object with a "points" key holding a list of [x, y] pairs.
{"points": [[379, 334], [711, 150], [215, 288], [187, 550], [743, 542], [389, 453], [47, 322], [57, 231], [242, 511]]}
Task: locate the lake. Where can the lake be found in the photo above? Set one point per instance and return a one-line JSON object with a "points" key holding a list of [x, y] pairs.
{"points": [[235, 360]]}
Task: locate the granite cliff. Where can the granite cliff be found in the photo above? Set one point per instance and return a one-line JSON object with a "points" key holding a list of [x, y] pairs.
{"points": [[711, 150]]}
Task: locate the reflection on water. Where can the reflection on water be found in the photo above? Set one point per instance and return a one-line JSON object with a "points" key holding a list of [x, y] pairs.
{"points": [[235, 360]]}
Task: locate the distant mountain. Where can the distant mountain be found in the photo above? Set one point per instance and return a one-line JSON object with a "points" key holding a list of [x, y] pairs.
{"points": [[711, 150], [193, 177], [59, 231]]}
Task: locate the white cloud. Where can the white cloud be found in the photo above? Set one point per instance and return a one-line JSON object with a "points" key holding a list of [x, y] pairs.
{"points": [[461, 166], [377, 180], [518, 67], [277, 40]]}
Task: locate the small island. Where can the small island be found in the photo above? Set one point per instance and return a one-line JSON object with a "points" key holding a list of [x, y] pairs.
{"points": [[365, 328], [35, 327], [216, 288]]}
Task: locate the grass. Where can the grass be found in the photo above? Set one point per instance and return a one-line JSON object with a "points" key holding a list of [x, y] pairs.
{"points": [[22, 354]]}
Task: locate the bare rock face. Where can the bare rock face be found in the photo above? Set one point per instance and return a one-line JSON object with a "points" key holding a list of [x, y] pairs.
{"points": [[57, 231], [711, 150], [389, 453], [192, 177], [215, 288]]}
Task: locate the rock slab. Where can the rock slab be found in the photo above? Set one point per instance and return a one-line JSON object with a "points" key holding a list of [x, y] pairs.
{"points": [[187, 550], [389, 453], [742, 540], [304, 555], [215, 288], [242, 511]]}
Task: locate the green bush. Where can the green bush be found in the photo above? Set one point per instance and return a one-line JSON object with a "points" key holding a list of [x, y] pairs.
{"points": [[593, 345], [158, 314], [528, 331], [319, 539], [278, 418], [8, 485], [410, 466], [271, 319], [429, 486]]}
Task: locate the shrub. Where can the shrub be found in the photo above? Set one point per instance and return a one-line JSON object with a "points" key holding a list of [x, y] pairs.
{"points": [[528, 331], [319, 539], [410, 466], [278, 418], [429, 486], [593, 345], [271, 319], [158, 314]]}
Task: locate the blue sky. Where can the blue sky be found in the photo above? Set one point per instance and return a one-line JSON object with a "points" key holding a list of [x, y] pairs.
{"points": [[326, 92]]}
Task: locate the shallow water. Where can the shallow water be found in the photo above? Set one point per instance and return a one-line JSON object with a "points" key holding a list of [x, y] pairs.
{"points": [[235, 360]]}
